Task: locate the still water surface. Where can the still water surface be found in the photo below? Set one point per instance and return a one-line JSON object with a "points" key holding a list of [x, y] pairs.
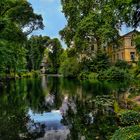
{"points": [[50, 108]]}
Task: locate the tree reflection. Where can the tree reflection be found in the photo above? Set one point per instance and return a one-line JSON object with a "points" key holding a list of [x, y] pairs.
{"points": [[94, 119], [15, 102], [89, 114]]}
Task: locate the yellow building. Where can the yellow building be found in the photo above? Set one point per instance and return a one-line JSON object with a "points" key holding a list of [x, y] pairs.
{"points": [[125, 51]]}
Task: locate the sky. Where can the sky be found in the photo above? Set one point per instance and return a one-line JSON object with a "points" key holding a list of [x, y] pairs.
{"points": [[53, 19], [125, 30]]}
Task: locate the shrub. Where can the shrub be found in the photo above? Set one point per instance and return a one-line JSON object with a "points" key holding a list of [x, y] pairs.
{"points": [[127, 133], [88, 76], [129, 117], [100, 62], [83, 75], [70, 68], [92, 76], [136, 71], [114, 74], [122, 64]]}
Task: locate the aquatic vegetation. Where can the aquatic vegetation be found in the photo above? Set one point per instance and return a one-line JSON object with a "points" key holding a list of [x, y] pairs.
{"points": [[127, 133], [129, 117]]}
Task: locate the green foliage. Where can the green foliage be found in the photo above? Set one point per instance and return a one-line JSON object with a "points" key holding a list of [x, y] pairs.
{"points": [[87, 76], [122, 64], [116, 107], [129, 117], [54, 55], [83, 75], [127, 133], [35, 51], [12, 56], [70, 68], [15, 17], [100, 62], [94, 22], [19, 12], [103, 101], [114, 74], [97, 22], [135, 71]]}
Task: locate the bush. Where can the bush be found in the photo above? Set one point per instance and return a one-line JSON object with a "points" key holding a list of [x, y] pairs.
{"points": [[114, 74], [92, 76], [70, 68], [83, 75], [129, 117], [87, 76], [100, 62], [136, 71], [127, 133], [122, 64]]}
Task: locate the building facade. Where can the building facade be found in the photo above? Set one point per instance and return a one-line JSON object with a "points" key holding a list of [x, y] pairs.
{"points": [[126, 50]]}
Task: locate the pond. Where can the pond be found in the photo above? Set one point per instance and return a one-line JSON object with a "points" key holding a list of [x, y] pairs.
{"points": [[51, 108]]}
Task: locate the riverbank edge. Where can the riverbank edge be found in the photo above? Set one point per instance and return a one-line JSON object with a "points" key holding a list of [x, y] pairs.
{"points": [[14, 76]]}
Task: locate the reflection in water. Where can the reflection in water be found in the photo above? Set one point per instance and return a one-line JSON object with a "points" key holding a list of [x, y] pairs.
{"points": [[58, 109], [49, 99], [50, 124]]}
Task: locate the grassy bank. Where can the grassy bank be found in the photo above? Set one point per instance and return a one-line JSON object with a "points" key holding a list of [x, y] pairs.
{"points": [[4, 76]]}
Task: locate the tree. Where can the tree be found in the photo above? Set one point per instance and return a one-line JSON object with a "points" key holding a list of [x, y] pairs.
{"points": [[100, 62], [21, 12], [17, 20], [70, 67], [90, 23], [97, 22], [128, 12], [35, 51], [54, 55]]}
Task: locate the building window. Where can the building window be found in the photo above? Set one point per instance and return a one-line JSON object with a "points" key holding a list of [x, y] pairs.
{"points": [[132, 56]]}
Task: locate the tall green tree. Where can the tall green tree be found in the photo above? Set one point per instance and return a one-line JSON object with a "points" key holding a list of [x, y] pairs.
{"points": [[89, 22], [17, 20], [54, 55], [97, 22], [21, 13], [35, 51]]}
